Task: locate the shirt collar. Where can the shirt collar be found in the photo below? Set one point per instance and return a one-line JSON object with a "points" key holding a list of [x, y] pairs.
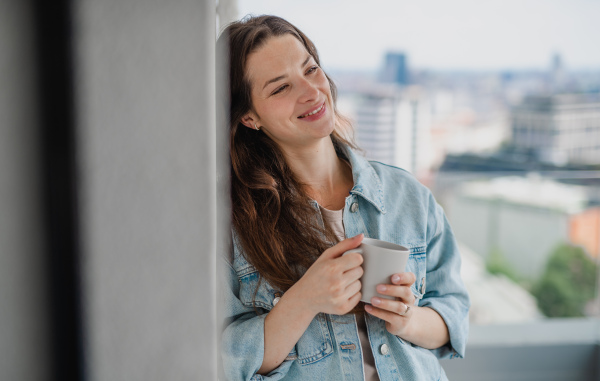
{"points": [[366, 181]]}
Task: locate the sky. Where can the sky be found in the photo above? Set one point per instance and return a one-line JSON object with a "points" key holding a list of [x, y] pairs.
{"points": [[444, 34]]}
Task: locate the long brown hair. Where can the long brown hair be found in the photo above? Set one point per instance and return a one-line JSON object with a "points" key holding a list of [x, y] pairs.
{"points": [[271, 212]]}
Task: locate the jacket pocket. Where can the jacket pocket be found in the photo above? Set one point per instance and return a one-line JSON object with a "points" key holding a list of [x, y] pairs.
{"points": [[255, 291], [315, 344]]}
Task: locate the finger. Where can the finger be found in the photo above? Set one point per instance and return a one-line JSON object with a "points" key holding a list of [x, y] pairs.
{"points": [[402, 292], [354, 287], [392, 306], [353, 301], [405, 279], [350, 261], [390, 318], [353, 274], [343, 246]]}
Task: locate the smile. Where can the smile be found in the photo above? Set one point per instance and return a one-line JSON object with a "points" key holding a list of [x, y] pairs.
{"points": [[312, 112]]}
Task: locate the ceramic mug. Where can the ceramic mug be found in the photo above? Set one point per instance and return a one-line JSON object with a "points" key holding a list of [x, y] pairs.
{"points": [[381, 260]]}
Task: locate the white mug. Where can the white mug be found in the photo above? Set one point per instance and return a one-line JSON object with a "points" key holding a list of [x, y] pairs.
{"points": [[380, 261]]}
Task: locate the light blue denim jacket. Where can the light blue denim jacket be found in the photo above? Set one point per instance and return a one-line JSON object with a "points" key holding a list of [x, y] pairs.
{"points": [[386, 203]]}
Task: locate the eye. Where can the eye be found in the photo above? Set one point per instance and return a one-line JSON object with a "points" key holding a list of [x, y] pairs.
{"points": [[312, 69], [279, 89]]}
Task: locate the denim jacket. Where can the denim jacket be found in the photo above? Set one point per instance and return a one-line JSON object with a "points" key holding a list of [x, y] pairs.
{"points": [[386, 203]]}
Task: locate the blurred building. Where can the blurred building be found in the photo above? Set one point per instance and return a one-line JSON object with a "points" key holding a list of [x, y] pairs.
{"points": [[395, 69], [584, 230], [392, 125], [559, 129], [522, 218], [558, 74], [466, 132]]}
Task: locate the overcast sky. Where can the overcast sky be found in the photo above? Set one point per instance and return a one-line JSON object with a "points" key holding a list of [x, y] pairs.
{"points": [[445, 34]]}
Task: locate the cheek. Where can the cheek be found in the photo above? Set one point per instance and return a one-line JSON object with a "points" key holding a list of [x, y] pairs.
{"points": [[283, 105], [324, 85], [275, 110]]}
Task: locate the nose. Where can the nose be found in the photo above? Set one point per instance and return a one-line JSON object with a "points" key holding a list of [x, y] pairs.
{"points": [[308, 91]]}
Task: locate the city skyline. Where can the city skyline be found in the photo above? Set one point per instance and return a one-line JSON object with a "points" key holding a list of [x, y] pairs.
{"points": [[441, 35]]}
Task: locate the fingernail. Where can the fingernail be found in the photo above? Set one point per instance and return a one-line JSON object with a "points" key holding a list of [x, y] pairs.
{"points": [[376, 301], [381, 288], [396, 278], [368, 308]]}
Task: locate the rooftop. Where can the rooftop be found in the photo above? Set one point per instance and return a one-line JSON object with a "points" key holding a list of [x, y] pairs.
{"points": [[532, 190]]}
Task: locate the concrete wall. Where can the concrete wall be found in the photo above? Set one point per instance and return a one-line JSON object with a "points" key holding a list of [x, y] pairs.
{"points": [[525, 235], [147, 167], [553, 349], [24, 339], [145, 90]]}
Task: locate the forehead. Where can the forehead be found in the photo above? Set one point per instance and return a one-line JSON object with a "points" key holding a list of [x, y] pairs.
{"points": [[275, 57]]}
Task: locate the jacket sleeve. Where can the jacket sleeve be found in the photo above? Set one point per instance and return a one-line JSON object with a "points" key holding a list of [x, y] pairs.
{"points": [[445, 290], [242, 338]]}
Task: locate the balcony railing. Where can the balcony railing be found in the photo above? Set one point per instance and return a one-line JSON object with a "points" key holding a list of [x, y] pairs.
{"points": [[550, 350]]}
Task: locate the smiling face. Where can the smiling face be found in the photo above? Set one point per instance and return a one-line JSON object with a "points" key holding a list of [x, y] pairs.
{"points": [[290, 94]]}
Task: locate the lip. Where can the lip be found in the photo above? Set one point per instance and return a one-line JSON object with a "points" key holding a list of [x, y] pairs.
{"points": [[317, 115]]}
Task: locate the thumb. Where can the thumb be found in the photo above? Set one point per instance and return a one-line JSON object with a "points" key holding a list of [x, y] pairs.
{"points": [[341, 247]]}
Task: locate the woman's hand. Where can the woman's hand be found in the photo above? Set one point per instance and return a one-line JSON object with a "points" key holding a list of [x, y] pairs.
{"points": [[396, 313], [331, 285], [421, 326]]}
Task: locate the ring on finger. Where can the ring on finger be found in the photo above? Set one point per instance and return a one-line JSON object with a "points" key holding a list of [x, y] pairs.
{"points": [[405, 311]]}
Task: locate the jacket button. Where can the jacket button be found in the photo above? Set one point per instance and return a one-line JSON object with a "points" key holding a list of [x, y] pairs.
{"points": [[276, 300], [384, 349], [354, 207]]}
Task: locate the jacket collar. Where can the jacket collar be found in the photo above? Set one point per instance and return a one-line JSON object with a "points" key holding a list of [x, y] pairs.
{"points": [[367, 183]]}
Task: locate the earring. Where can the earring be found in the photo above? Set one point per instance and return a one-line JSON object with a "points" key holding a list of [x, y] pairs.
{"points": [[256, 128]]}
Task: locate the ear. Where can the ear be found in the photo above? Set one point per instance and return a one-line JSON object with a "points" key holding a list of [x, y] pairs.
{"points": [[250, 120]]}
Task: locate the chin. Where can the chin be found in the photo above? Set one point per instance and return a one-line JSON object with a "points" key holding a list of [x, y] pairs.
{"points": [[326, 131]]}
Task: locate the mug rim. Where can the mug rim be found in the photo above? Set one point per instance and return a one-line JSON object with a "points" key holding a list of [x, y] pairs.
{"points": [[384, 244]]}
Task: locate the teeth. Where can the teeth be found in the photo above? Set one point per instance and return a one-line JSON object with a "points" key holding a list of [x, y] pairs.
{"points": [[314, 112]]}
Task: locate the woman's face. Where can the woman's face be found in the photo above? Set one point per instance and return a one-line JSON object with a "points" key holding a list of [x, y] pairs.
{"points": [[290, 94]]}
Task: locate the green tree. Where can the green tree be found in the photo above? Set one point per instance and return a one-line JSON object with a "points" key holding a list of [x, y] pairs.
{"points": [[567, 284], [498, 264]]}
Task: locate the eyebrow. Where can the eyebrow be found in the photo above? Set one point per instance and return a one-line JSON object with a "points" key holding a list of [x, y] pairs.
{"points": [[283, 76]]}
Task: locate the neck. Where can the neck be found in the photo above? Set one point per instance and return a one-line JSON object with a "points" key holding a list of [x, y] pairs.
{"points": [[328, 179]]}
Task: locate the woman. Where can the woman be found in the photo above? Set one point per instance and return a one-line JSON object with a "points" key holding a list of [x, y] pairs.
{"points": [[298, 189]]}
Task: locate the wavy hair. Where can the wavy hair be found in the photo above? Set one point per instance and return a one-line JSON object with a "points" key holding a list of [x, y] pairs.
{"points": [[271, 212]]}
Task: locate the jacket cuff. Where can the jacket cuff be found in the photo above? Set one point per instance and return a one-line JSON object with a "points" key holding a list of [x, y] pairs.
{"points": [[243, 344], [456, 317]]}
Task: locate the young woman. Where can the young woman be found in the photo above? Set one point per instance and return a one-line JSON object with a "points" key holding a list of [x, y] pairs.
{"points": [[298, 189]]}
